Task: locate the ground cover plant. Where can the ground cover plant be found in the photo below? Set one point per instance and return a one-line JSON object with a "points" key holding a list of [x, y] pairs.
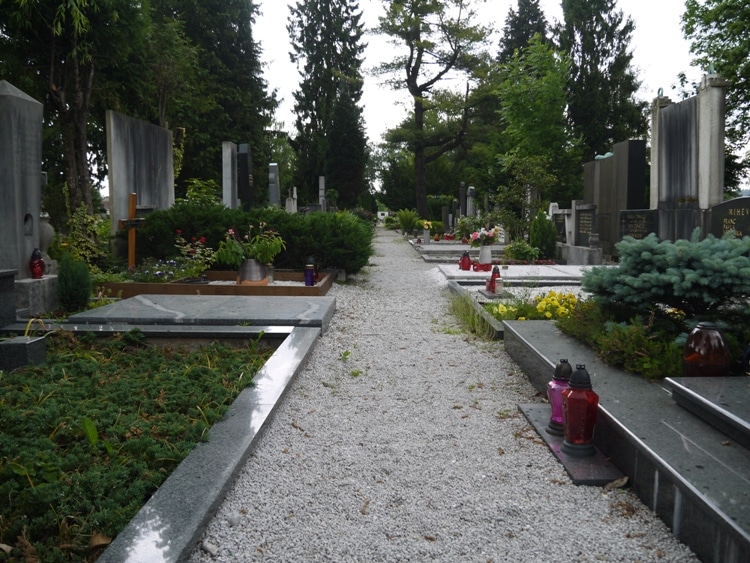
{"points": [[89, 436]]}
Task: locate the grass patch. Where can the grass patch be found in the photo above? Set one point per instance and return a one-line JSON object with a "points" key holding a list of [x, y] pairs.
{"points": [[462, 307], [89, 436]]}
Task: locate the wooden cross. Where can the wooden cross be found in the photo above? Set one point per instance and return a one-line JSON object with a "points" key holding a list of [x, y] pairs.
{"points": [[131, 224]]}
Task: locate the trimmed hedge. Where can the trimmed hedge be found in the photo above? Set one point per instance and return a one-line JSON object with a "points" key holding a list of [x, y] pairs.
{"points": [[339, 240]]}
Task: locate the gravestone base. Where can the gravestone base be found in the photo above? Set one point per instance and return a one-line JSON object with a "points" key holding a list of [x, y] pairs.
{"points": [[579, 255], [22, 351], [36, 297], [7, 297]]}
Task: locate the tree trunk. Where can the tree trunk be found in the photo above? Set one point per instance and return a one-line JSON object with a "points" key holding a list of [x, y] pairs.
{"points": [[420, 166], [72, 101]]}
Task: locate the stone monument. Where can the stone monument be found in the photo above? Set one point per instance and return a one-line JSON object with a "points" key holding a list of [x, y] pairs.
{"points": [[274, 195], [229, 174], [21, 119], [140, 161], [245, 185], [687, 158]]}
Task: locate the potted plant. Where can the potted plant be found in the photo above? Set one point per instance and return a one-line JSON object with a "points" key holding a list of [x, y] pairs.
{"points": [[483, 238], [252, 256]]}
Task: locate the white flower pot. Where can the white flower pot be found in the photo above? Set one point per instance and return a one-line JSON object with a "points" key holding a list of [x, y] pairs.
{"points": [[485, 255]]}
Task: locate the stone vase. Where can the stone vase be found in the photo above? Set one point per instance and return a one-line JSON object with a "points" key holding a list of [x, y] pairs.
{"points": [[485, 255], [46, 234]]}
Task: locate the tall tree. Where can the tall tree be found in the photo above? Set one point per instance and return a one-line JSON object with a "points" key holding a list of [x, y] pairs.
{"points": [[718, 32], [60, 47], [327, 48], [520, 27], [346, 155], [543, 161], [231, 101], [602, 84], [441, 42]]}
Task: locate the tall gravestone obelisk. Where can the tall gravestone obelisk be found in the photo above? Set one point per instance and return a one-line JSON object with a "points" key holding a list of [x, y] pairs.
{"points": [[21, 119]]}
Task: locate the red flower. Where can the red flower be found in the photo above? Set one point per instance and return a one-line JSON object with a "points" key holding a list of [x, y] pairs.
{"points": [[203, 240], [179, 232], [193, 239]]}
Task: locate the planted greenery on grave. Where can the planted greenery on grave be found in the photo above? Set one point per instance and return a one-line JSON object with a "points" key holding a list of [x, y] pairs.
{"points": [[90, 435], [643, 308]]}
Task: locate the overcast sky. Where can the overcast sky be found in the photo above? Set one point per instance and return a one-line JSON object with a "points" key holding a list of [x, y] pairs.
{"points": [[659, 50]]}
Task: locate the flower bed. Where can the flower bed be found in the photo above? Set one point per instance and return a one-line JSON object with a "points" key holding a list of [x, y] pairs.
{"points": [[130, 289]]}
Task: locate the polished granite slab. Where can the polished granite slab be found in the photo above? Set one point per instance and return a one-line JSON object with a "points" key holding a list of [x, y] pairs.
{"points": [[696, 478], [213, 310], [723, 402], [596, 470]]}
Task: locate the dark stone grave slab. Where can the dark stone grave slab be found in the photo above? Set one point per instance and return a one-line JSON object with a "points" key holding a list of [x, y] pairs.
{"points": [[638, 223], [559, 221], [731, 216], [585, 224], [213, 310], [7, 297], [596, 470], [723, 402]]}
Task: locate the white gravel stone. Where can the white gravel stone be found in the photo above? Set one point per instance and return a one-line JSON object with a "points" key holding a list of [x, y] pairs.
{"points": [[401, 441]]}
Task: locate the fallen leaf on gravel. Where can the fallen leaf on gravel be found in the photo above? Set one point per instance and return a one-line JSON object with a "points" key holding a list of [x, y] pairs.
{"points": [[297, 426], [616, 484]]}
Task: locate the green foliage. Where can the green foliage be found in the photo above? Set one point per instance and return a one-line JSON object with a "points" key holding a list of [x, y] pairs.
{"points": [[390, 222], [407, 218], [543, 235], [702, 278], [327, 43], [551, 306], [650, 349], [520, 28], [522, 251], [89, 436], [202, 192], [438, 39], [73, 284], [467, 225], [462, 307], [156, 236], [336, 240], [87, 239], [717, 31], [543, 151], [602, 83]]}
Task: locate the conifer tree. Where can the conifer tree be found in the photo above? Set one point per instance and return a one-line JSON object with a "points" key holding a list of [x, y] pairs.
{"points": [[520, 27], [327, 47], [602, 84]]}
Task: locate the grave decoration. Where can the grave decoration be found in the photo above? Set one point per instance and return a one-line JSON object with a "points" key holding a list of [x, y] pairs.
{"points": [[707, 353], [555, 388], [580, 404]]}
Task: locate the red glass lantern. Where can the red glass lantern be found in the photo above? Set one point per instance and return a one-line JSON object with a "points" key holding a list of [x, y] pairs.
{"points": [[555, 389], [706, 353], [36, 264], [492, 282], [465, 262], [580, 404]]}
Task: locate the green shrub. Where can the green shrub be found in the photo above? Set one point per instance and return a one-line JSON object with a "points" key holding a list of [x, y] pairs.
{"points": [[407, 218], [390, 222], [340, 240], [73, 284], [521, 250], [543, 236], [701, 278]]}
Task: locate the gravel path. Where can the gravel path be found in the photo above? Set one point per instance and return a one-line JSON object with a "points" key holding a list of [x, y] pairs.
{"points": [[401, 441]]}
